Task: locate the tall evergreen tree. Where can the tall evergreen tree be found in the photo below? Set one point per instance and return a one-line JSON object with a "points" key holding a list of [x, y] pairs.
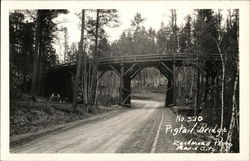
{"points": [[21, 50], [45, 32], [185, 41], [205, 31]]}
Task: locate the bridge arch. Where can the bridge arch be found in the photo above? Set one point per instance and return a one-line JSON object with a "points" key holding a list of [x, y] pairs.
{"points": [[153, 81], [149, 77], [128, 71], [108, 87]]}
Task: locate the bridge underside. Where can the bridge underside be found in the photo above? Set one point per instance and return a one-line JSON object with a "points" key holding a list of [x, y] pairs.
{"points": [[61, 79], [129, 70]]}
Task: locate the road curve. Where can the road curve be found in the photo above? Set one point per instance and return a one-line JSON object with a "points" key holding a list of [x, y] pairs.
{"points": [[102, 136]]}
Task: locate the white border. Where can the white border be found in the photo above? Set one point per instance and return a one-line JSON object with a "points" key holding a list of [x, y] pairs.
{"points": [[244, 77]]}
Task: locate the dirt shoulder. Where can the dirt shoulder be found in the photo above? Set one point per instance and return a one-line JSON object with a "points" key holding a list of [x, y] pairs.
{"points": [[30, 120]]}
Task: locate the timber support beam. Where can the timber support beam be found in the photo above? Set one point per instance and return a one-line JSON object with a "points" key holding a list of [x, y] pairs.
{"points": [[171, 87], [125, 88]]}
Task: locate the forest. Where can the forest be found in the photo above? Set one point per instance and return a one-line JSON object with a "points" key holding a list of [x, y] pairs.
{"points": [[33, 33]]}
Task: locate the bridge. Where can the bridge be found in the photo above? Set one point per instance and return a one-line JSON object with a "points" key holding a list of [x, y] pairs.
{"points": [[61, 77]]}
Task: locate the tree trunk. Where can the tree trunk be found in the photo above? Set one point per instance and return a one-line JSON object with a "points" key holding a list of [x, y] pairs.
{"points": [[79, 64], [222, 94], [96, 55], [234, 111], [41, 68], [214, 91], [222, 90], [85, 78], [36, 54], [26, 69], [222, 85], [206, 90], [197, 101]]}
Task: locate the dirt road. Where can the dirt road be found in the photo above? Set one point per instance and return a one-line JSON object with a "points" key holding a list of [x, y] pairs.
{"points": [[138, 129]]}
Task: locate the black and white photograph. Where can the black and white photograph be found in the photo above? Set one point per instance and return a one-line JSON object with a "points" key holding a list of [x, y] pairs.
{"points": [[125, 79]]}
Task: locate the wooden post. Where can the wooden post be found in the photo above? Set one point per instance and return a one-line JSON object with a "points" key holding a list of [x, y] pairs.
{"points": [[169, 92], [126, 91], [125, 87], [121, 83], [174, 84]]}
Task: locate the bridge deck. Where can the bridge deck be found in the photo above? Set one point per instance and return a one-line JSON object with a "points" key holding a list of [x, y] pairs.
{"points": [[146, 59]]}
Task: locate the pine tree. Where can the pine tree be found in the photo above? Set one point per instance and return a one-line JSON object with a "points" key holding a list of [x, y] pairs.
{"points": [[185, 41], [45, 32]]}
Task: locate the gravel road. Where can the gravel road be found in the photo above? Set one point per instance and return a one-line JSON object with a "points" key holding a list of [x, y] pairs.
{"points": [[139, 129]]}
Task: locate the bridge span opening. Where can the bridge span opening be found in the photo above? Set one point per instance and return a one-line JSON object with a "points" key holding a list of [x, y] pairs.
{"points": [[148, 84]]}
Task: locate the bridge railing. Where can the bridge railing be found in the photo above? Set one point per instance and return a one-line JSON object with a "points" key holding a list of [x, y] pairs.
{"points": [[63, 65], [150, 58], [154, 57]]}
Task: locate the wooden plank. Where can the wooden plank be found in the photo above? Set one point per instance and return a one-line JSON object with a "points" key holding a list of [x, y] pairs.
{"points": [[174, 85], [136, 72], [117, 72], [146, 58], [100, 75], [177, 71], [169, 92], [126, 98], [166, 67], [121, 83], [163, 72], [131, 67]]}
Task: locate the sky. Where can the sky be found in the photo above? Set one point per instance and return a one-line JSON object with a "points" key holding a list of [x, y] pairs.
{"points": [[153, 16]]}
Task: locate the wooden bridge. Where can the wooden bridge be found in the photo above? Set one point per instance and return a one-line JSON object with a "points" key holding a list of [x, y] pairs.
{"points": [[61, 77]]}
